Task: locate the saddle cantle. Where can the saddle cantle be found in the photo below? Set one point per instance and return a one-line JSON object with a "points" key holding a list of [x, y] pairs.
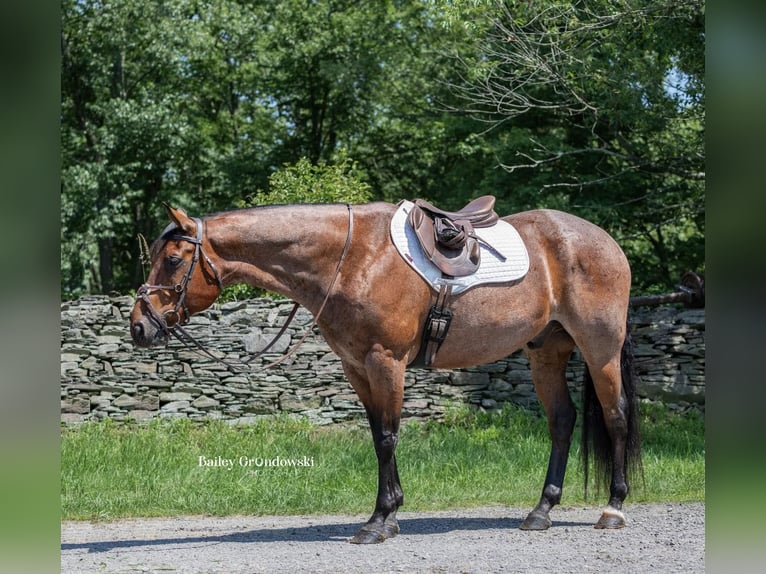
{"points": [[448, 237]]}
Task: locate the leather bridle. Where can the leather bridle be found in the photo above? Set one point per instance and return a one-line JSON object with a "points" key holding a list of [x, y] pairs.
{"points": [[182, 287]]}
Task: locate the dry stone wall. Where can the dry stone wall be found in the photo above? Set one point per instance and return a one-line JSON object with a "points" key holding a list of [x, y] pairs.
{"points": [[104, 375]]}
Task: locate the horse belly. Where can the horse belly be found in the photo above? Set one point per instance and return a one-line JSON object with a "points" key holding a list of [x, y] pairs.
{"points": [[460, 351], [485, 329]]}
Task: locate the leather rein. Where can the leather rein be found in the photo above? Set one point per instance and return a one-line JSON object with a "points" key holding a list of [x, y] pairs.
{"points": [[177, 330]]}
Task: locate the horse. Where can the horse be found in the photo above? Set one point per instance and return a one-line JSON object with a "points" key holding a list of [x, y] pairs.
{"points": [[370, 306]]}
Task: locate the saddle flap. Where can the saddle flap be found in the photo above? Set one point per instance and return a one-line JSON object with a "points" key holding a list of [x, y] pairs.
{"points": [[423, 226]]}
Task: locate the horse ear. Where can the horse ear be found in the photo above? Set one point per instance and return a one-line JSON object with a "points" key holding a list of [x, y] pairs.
{"points": [[179, 217]]}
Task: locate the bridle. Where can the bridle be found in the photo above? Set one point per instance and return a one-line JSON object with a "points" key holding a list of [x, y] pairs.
{"points": [[177, 330], [182, 287]]}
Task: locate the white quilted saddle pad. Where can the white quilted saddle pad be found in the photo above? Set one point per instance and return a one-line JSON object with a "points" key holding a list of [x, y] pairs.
{"points": [[502, 236]]}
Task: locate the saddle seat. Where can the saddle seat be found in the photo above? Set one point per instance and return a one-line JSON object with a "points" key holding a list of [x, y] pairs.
{"points": [[480, 212], [448, 237]]}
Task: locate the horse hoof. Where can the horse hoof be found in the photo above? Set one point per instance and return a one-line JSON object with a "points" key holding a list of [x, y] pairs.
{"points": [[611, 519], [376, 533], [535, 521]]}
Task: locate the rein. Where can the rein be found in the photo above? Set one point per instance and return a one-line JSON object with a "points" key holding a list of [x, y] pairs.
{"points": [[177, 330]]}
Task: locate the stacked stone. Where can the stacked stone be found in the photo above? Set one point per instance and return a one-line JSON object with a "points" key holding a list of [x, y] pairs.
{"points": [[104, 375], [669, 350]]}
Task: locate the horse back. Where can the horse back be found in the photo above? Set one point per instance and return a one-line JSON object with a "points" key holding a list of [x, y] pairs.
{"points": [[580, 269], [573, 252]]}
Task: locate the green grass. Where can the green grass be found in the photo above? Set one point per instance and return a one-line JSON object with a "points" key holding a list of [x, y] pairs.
{"points": [[111, 471]]}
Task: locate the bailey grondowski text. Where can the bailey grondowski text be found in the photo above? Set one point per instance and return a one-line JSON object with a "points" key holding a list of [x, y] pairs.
{"points": [[255, 462]]}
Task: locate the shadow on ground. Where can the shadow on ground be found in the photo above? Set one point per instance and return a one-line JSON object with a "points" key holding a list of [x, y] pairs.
{"points": [[316, 533]]}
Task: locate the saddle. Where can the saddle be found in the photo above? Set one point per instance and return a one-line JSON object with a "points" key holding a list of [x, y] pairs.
{"points": [[449, 241], [448, 237]]}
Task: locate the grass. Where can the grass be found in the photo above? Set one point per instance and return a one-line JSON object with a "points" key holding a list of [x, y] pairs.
{"points": [[111, 471]]}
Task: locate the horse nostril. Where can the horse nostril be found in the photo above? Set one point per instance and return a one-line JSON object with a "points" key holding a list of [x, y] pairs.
{"points": [[137, 330]]}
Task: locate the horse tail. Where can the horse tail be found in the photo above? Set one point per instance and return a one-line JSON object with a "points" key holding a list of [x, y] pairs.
{"points": [[595, 437]]}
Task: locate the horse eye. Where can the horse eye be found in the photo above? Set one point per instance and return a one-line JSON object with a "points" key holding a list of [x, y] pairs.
{"points": [[174, 261]]}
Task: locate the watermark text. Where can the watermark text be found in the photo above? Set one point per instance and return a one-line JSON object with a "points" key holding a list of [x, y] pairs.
{"points": [[254, 462]]}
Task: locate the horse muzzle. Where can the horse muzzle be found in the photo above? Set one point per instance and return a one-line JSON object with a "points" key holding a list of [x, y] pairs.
{"points": [[146, 333]]}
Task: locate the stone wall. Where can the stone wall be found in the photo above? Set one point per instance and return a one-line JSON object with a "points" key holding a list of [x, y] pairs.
{"points": [[103, 375]]}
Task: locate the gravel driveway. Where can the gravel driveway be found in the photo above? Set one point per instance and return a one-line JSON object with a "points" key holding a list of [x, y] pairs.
{"points": [[659, 538]]}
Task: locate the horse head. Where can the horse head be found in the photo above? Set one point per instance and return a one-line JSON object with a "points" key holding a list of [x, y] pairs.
{"points": [[183, 280]]}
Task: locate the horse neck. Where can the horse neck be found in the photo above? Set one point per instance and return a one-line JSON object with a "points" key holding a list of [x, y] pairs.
{"points": [[292, 250]]}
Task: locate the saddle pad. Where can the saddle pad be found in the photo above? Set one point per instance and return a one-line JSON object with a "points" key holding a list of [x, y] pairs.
{"points": [[502, 236]]}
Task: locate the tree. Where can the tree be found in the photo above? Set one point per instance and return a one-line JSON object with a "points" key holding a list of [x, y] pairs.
{"points": [[199, 103], [610, 95], [121, 134]]}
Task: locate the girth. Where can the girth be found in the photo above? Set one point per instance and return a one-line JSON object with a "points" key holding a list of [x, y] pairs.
{"points": [[435, 330]]}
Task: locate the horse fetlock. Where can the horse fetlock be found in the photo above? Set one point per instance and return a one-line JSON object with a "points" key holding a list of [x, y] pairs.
{"points": [[386, 506], [617, 494], [552, 494]]}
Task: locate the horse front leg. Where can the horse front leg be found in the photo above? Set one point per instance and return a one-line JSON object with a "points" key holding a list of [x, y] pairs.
{"points": [[548, 363], [381, 388], [383, 523]]}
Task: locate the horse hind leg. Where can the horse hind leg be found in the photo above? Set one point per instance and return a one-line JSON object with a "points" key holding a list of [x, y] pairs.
{"points": [[610, 428], [548, 358]]}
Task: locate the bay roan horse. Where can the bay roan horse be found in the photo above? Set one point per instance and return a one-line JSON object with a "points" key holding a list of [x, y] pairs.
{"points": [[574, 294]]}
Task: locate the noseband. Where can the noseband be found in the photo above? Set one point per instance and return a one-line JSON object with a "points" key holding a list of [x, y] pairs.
{"points": [[182, 287]]}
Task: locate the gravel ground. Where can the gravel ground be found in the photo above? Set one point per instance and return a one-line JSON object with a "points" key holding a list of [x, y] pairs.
{"points": [[658, 538]]}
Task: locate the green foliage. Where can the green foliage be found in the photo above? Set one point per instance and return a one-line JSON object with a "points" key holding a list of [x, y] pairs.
{"points": [[611, 97], [595, 108], [242, 292], [305, 182], [110, 471]]}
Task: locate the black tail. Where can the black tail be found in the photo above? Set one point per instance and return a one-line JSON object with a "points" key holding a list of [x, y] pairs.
{"points": [[595, 438]]}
